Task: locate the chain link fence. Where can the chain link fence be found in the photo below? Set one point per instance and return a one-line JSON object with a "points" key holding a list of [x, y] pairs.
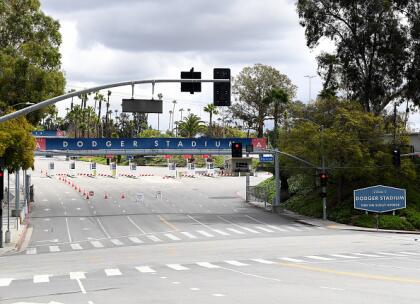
{"points": [[261, 194]]}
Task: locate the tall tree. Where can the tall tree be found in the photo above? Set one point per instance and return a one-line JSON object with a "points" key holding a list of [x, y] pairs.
{"points": [[377, 48], [191, 126], [30, 60], [212, 110], [277, 99], [252, 86]]}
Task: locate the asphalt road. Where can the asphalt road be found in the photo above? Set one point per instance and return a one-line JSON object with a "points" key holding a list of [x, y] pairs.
{"points": [[156, 240]]}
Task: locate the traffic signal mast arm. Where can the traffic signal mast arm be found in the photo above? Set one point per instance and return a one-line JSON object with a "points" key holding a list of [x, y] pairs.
{"points": [[54, 100]]}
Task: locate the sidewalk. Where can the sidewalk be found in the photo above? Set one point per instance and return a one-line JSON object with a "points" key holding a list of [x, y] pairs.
{"points": [[17, 239]]}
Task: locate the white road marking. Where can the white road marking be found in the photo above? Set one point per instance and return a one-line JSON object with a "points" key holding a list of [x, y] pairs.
{"points": [[176, 282], [116, 242], [291, 260], [97, 244], [332, 288], [102, 227], [78, 276], [207, 265], [409, 253], [220, 232], [46, 219], [239, 226], [319, 258], [68, 230], [390, 254], [5, 282], [54, 248], [172, 237], [262, 261], [236, 263], [321, 228], [264, 229], [177, 267], [46, 230], [78, 208], [277, 228], [135, 240], [303, 227], [235, 231], [191, 236], [145, 269], [367, 255], [112, 272], [76, 246], [344, 256], [194, 288], [154, 238], [218, 295], [291, 228], [31, 251], [205, 233], [250, 230], [47, 209], [42, 278]]}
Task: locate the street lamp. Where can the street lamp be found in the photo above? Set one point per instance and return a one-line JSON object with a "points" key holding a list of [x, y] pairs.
{"points": [[310, 80], [324, 188]]}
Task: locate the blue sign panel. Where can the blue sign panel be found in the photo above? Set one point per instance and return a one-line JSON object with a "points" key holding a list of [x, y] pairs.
{"points": [[63, 144], [379, 199], [266, 158]]}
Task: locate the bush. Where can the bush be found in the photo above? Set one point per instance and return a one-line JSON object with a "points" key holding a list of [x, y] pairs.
{"points": [[385, 222], [413, 217]]}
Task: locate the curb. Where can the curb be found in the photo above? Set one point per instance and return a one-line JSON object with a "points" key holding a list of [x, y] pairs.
{"points": [[22, 238]]}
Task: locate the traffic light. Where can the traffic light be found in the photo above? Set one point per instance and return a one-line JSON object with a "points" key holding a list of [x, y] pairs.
{"points": [[396, 157], [236, 150], [323, 178], [221, 90], [191, 86]]}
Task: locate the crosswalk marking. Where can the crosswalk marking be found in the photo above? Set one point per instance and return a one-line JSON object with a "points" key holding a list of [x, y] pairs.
{"points": [[367, 255], [77, 275], [303, 227], [172, 237], [291, 260], [112, 272], [220, 232], [262, 261], [344, 256], [42, 278], [31, 251], [191, 236], [116, 242], [277, 228], [5, 282], [135, 240], [236, 263], [145, 269], [177, 267], [154, 238], [292, 228], [321, 228], [207, 265], [391, 254], [250, 230], [319, 258], [97, 244], [409, 253], [264, 229], [235, 231], [76, 246], [205, 233], [54, 248]]}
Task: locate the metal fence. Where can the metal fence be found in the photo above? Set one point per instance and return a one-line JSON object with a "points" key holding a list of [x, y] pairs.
{"points": [[260, 194]]}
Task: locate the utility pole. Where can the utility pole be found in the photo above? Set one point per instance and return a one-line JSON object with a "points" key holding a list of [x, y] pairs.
{"points": [[310, 84], [324, 188]]}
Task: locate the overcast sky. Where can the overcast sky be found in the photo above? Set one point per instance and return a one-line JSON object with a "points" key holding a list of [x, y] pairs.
{"points": [[108, 41]]}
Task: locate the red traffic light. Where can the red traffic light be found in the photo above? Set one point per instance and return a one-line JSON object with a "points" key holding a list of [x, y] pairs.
{"points": [[323, 176]]}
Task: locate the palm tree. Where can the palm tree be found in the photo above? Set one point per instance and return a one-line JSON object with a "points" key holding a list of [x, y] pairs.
{"points": [[277, 98], [181, 110], [211, 109], [170, 120], [173, 115], [191, 126]]}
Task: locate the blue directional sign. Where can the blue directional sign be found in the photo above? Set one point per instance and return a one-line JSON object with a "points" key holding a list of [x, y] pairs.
{"points": [[266, 158], [379, 199]]}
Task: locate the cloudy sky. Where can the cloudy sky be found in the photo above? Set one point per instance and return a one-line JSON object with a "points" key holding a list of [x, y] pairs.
{"points": [[107, 41]]}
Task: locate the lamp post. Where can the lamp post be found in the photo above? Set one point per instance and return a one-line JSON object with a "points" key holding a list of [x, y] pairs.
{"points": [[324, 188], [310, 82]]}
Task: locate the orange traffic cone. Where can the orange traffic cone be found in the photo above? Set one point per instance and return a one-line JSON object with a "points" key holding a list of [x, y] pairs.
{"points": [[122, 195]]}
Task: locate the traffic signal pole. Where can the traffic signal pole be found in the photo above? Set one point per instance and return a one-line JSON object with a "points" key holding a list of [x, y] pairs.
{"points": [[324, 188]]}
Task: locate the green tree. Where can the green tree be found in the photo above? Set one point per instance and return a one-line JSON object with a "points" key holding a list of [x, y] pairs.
{"points": [[29, 55], [277, 100], [212, 110], [377, 48], [191, 126], [252, 86]]}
